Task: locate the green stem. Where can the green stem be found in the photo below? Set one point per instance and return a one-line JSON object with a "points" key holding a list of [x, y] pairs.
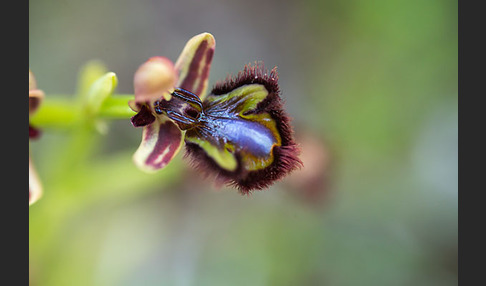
{"points": [[55, 112], [117, 107], [64, 112]]}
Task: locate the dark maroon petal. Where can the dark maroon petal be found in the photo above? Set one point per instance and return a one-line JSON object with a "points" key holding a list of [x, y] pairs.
{"points": [[143, 117], [34, 133]]}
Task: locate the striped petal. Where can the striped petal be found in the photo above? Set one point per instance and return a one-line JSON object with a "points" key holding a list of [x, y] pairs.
{"points": [[161, 141], [194, 63]]}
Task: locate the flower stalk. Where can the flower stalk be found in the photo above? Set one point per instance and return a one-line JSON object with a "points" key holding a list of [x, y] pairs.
{"points": [[57, 111]]}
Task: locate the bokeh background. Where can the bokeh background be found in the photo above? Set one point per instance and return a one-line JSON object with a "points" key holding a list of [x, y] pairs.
{"points": [[372, 89]]}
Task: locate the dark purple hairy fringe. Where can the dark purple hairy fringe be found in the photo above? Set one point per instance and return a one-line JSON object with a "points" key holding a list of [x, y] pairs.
{"points": [[249, 75], [285, 157]]}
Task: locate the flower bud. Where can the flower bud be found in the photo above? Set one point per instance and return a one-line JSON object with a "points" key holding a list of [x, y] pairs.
{"points": [[154, 80]]}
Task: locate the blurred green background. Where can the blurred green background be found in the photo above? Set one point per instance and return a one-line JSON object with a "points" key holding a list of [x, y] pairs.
{"points": [[372, 89]]}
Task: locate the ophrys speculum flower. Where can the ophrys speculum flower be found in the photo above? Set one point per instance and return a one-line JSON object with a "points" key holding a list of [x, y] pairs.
{"points": [[239, 132]]}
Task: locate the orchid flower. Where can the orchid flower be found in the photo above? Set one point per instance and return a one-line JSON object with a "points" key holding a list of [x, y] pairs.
{"points": [[239, 132], [35, 98]]}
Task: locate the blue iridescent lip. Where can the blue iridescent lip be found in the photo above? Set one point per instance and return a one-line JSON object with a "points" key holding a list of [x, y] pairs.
{"points": [[245, 135], [187, 111]]}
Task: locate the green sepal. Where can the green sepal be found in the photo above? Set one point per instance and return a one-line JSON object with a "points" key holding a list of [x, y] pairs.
{"points": [[100, 90]]}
